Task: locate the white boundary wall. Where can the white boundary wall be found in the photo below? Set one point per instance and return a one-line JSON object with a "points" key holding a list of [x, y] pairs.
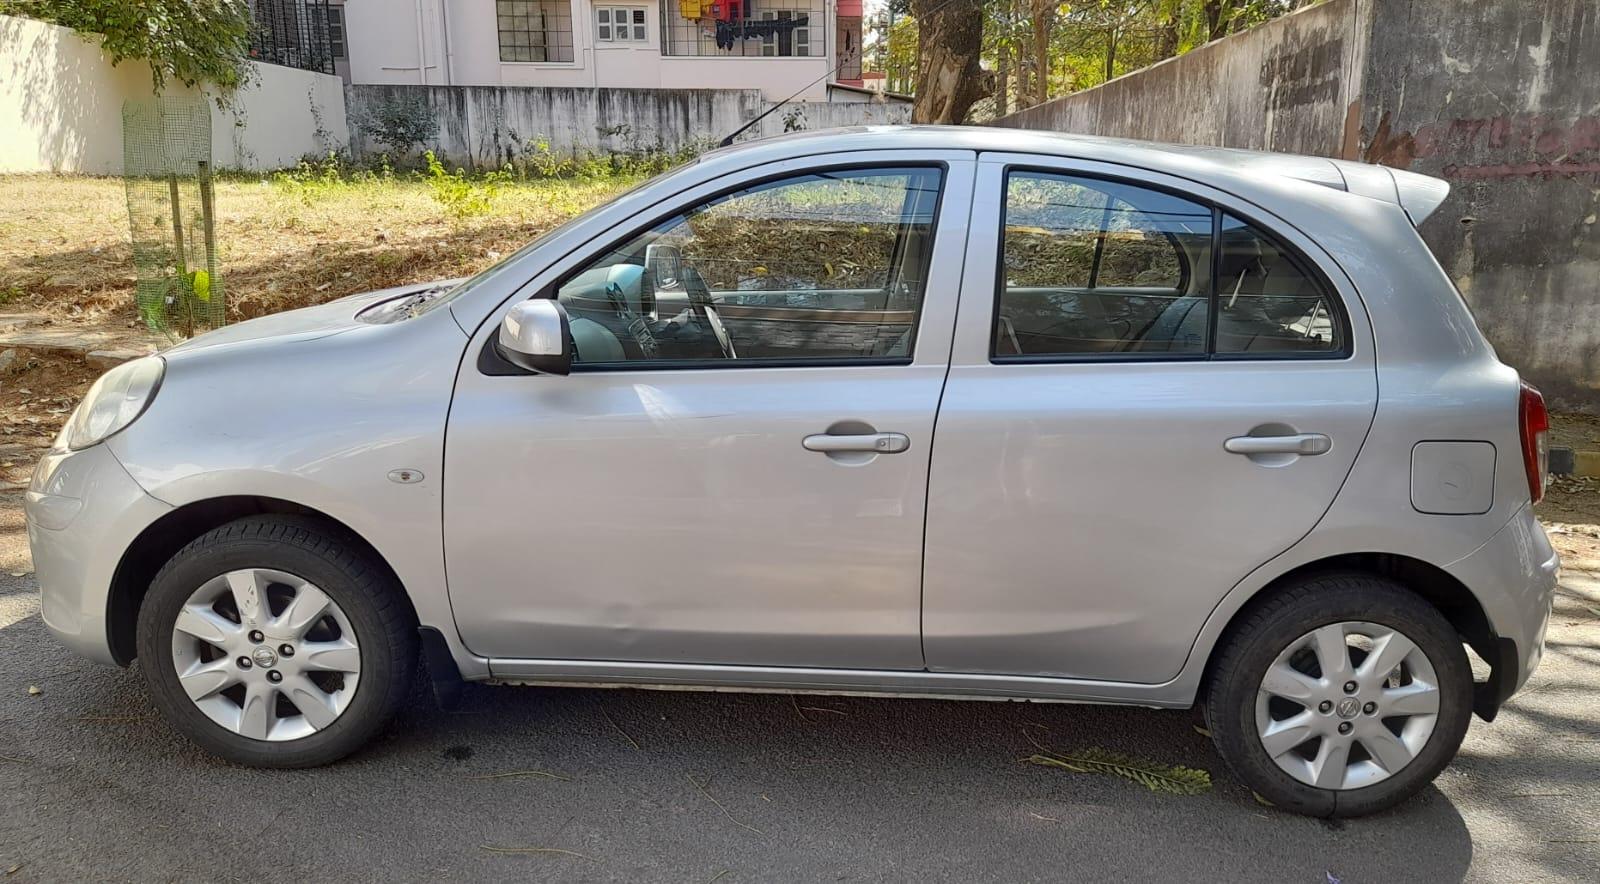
{"points": [[61, 107]]}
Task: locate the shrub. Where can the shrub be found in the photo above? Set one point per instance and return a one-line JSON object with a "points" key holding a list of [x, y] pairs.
{"points": [[402, 123], [461, 196]]}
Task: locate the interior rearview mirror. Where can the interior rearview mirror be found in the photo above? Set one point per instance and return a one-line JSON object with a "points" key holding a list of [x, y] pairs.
{"points": [[536, 336]]}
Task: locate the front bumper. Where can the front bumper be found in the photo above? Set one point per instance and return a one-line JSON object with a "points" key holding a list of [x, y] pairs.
{"points": [[1514, 577], [83, 512]]}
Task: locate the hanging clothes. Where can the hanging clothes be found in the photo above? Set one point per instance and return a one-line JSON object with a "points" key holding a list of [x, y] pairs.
{"points": [[692, 10]]}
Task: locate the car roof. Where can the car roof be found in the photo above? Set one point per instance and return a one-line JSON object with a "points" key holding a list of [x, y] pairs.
{"points": [[1418, 194]]}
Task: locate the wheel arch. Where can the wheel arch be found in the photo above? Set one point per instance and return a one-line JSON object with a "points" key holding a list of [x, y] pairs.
{"points": [[1454, 600], [163, 538]]}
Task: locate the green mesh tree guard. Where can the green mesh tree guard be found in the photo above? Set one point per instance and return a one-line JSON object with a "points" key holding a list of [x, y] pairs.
{"points": [[166, 163]]}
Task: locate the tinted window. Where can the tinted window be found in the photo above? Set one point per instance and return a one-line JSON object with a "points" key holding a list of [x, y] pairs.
{"points": [[1267, 302], [1095, 267], [818, 266]]}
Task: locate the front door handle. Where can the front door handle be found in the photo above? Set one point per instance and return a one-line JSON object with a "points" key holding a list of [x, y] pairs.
{"points": [[881, 443], [1300, 443]]}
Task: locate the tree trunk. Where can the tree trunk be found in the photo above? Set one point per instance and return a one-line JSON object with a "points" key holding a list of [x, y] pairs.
{"points": [[1111, 54], [1044, 17], [1218, 18], [1167, 45], [1002, 81], [949, 80], [1024, 89]]}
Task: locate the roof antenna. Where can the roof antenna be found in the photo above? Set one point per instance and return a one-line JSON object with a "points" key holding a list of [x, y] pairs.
{"points": [[761, 116]]}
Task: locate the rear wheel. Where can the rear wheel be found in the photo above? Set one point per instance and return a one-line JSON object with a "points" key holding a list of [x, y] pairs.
{"points": [[273, 641], [1341, 696]]}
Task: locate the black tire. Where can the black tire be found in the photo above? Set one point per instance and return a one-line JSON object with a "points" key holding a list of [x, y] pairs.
{"points": [[1268, 628], [372, 602]]}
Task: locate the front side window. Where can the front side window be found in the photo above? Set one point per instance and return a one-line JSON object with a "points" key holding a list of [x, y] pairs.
{"points": [[1100, 268], [823, 266], [534, 30]]}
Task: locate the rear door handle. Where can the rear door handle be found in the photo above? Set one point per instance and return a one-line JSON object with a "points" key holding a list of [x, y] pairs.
{"points": [[1301, 443], [882, 443]]}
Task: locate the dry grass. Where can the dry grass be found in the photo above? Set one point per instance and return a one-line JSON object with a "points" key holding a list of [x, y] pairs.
{"points": [[64, 240]]}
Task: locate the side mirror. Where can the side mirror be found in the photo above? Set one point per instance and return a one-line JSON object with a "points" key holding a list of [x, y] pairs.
{"points": [[536, 336]]}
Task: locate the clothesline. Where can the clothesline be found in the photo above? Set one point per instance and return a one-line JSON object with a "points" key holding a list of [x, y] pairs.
{"points": [[730, 32]]}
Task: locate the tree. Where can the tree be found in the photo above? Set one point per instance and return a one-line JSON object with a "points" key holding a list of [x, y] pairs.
{"points": [[1043, 15], [191, 41], [949, 79]]}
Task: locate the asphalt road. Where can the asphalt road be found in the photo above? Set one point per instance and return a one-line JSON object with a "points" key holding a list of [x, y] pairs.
{"points": [[693, 787]]}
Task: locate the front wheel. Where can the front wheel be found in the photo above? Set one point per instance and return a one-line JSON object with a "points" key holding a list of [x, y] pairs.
{"points": [[273, 641], [1341, 696]]}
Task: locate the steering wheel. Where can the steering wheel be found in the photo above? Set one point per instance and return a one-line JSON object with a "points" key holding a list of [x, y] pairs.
{"points": [[699, 294]]}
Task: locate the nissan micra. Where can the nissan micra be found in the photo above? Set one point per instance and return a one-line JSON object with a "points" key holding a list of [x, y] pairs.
{"points": [[937, 412]]}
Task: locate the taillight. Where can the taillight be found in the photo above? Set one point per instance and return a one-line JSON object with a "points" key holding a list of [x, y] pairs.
{"points": [[1534, 422]]}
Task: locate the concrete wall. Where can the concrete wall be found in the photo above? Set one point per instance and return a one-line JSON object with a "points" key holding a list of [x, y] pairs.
{"points": [[1501, 98], [487, 126], [406, 43], [61, 107], [1286, 85], [1503, 101]]}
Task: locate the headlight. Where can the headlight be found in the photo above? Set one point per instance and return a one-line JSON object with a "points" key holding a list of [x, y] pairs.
{"points": [[115, 400]]}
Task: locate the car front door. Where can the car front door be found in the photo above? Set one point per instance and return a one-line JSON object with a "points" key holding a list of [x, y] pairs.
{"points": [[735, 471], [1153, 390]]}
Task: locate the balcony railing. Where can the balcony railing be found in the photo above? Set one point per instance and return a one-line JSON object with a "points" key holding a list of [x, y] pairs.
{"points": [[293, 33], [752, 28]]}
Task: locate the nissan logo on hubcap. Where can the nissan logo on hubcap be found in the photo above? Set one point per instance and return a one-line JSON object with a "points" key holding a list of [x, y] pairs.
{"points": [[265, 658], [1347, 708]]}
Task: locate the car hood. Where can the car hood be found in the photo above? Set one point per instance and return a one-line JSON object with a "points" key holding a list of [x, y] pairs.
{"points": [[304, 324]]}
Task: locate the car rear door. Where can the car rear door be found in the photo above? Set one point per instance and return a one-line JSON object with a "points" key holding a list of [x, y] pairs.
{"points": [[1153, 390]]}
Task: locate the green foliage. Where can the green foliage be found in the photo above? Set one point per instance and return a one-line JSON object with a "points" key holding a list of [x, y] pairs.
{"points": [[1088, 42], [402, 123], [191, 41], [462, 197], [900, 56], [1171, 779]]}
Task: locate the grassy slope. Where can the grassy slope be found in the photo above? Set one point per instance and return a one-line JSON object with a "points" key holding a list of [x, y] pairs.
{"points": [[64, 241]]}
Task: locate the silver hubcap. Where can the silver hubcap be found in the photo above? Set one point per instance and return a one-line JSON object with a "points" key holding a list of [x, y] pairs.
{"points": [[265, 654], [1347, 705]]}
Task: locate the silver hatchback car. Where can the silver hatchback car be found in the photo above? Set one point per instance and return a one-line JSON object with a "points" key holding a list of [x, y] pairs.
{"points": [[947, 412]]}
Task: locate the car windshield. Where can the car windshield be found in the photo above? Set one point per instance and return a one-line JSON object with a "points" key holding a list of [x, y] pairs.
{"points": [[435, 300]]}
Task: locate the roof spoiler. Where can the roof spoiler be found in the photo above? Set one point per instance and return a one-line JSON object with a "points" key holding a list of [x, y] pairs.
{"points": [[1419, 195]]}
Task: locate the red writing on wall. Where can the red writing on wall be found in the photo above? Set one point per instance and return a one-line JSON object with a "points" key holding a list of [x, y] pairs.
{"points": [[1514, 146]]}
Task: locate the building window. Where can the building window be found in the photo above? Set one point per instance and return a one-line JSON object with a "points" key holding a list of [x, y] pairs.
{"points": [[336, 32], [535, 30], [619, 24], [784, 39]]}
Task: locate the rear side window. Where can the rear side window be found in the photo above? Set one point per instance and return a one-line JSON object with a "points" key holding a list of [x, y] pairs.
{"points": [[1096, 268], [1268, 303]]}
